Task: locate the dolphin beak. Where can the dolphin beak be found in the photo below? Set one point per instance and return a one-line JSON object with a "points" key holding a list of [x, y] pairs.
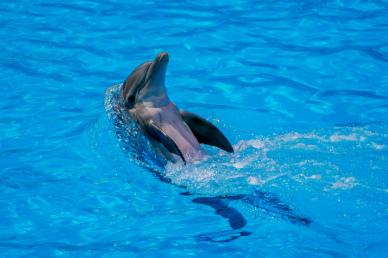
{"points": [[159, 67], [161, 59]]}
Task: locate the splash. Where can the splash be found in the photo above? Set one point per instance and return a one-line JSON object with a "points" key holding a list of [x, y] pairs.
{"points": [[128, 134], [260, 163], [263, 173]]}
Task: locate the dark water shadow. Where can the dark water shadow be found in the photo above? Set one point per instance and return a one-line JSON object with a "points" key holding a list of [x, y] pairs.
{"points": [[265, 202]]}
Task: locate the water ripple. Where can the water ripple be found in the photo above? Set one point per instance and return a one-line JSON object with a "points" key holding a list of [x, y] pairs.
{"points": [[358, 93], [299, 88]]}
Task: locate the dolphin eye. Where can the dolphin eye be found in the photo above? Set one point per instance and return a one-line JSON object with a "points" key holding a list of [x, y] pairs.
{"points": [[130, 101]]}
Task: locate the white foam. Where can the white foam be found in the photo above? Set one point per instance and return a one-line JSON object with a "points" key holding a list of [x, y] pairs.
{"points": [[243, 163], [252, 180], [377, 146], [341, 137], [254, 143], [251, 165], [304, 146], [266, 161], [344, 183], [312, 177]]}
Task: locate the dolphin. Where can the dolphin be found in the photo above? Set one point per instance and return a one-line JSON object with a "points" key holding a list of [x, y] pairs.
{"points": [[178, 134], [175, 134]]}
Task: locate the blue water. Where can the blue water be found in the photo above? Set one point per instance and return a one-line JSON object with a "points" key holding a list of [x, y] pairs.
{"points": [[300, 89]]}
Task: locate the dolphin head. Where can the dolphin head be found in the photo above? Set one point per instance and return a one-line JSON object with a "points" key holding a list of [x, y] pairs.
{"points": [[146, 84]]}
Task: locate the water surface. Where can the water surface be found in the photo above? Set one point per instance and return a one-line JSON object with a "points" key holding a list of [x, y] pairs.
{"points": [[300, 89]]}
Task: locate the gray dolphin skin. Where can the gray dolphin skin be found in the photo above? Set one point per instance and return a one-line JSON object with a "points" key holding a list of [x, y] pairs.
{"points": [[175, 134]]}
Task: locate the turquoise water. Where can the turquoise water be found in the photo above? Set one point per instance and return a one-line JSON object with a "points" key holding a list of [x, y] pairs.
{"points": [[300, 89]]}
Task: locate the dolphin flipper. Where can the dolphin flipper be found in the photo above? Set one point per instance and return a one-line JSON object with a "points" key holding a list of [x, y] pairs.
{"points": [[206, 132], [157, 133]]}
